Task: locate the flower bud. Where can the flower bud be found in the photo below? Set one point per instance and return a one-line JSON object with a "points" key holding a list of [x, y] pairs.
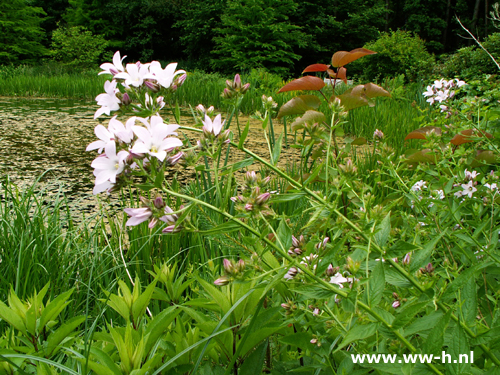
{"points": [[144, 200], [241, 265], [248, 207], [298, 251], [407, 259], [295, 241], [228, 266], [173, 160], [263, 198], [396, 304], [158, 202], [152, 223], [286, 306], [237, 81], [221, 281], [181, 79], [292, 272], [429, 268], [245, 88], [126, 99], [155, 87], [377, 134], [330, 271]]}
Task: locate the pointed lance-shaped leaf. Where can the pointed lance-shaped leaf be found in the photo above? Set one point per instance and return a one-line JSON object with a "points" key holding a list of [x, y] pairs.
{"points": [[484, 157], [299, 105], [342, 58], [372, 90], [359, 96], [304, 83], [421, 133], [340, 74], [316, 68], [424, 156], [359, 141], [310, 117], [467, 136]]}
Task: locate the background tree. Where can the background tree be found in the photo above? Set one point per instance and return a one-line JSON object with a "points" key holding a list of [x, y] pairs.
{"points": [[199, 19], [77, 47], [257, 34], [21, 34]]}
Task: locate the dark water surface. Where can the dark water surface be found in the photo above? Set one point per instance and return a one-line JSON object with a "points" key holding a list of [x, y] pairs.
{"points": [[49, 137]]}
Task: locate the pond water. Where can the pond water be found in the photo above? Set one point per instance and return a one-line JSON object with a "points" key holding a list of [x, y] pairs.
{"points": [[49, 137]]}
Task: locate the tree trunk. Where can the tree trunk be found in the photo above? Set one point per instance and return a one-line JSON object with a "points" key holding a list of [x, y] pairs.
{"points": [[475, 16]]}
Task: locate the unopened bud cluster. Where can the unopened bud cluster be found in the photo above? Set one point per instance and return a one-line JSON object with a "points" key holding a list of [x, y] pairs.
{"points": [[253, 198], [235, 89], [232, 271], [268, 102], [298, 244]]}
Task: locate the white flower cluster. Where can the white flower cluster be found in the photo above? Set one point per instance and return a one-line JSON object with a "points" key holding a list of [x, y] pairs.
{"points": [[133, 76], [151, 139], [441, 90]]}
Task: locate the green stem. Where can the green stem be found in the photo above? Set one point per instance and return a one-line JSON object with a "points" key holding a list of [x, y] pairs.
{"points": [[354, 227]]}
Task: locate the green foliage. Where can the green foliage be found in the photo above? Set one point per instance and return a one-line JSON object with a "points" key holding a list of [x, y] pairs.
{"points": [[21, 34], [77, 47], [398, 52], [201, 18], [257, 34], [469, 62]]}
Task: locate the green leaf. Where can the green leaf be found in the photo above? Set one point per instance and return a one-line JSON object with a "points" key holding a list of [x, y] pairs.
{"points": [[216, 295], [145, 187], [468, 299], [255, 361], [423, 323], [421, 256], [105, 361], [227, 227], [65, 330], [284, 234], [16, 304], [53, 309], [141, 303], [98, 368], [409, 313], [435, 339], [122, 348], [159, 325], [12, 318], [462, 280], [393, 277], [314, 174], [376, 284], [298, 340], [275, 156], [118, 304], [279, 198], [457, 346], [487, 337], [244, 135], [31, 320], [384, 229], [358, 332], [160, 176]]}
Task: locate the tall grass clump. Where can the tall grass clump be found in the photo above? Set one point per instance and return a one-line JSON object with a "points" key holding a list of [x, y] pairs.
{"points": [[49, 81]]}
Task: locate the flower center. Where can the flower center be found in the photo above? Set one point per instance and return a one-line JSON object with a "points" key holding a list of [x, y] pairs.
{"points": [[154, 149]]}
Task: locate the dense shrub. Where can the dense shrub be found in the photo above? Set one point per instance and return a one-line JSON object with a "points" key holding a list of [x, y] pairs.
{"points": [[76, 46], [470, 61], [398, 52]]}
